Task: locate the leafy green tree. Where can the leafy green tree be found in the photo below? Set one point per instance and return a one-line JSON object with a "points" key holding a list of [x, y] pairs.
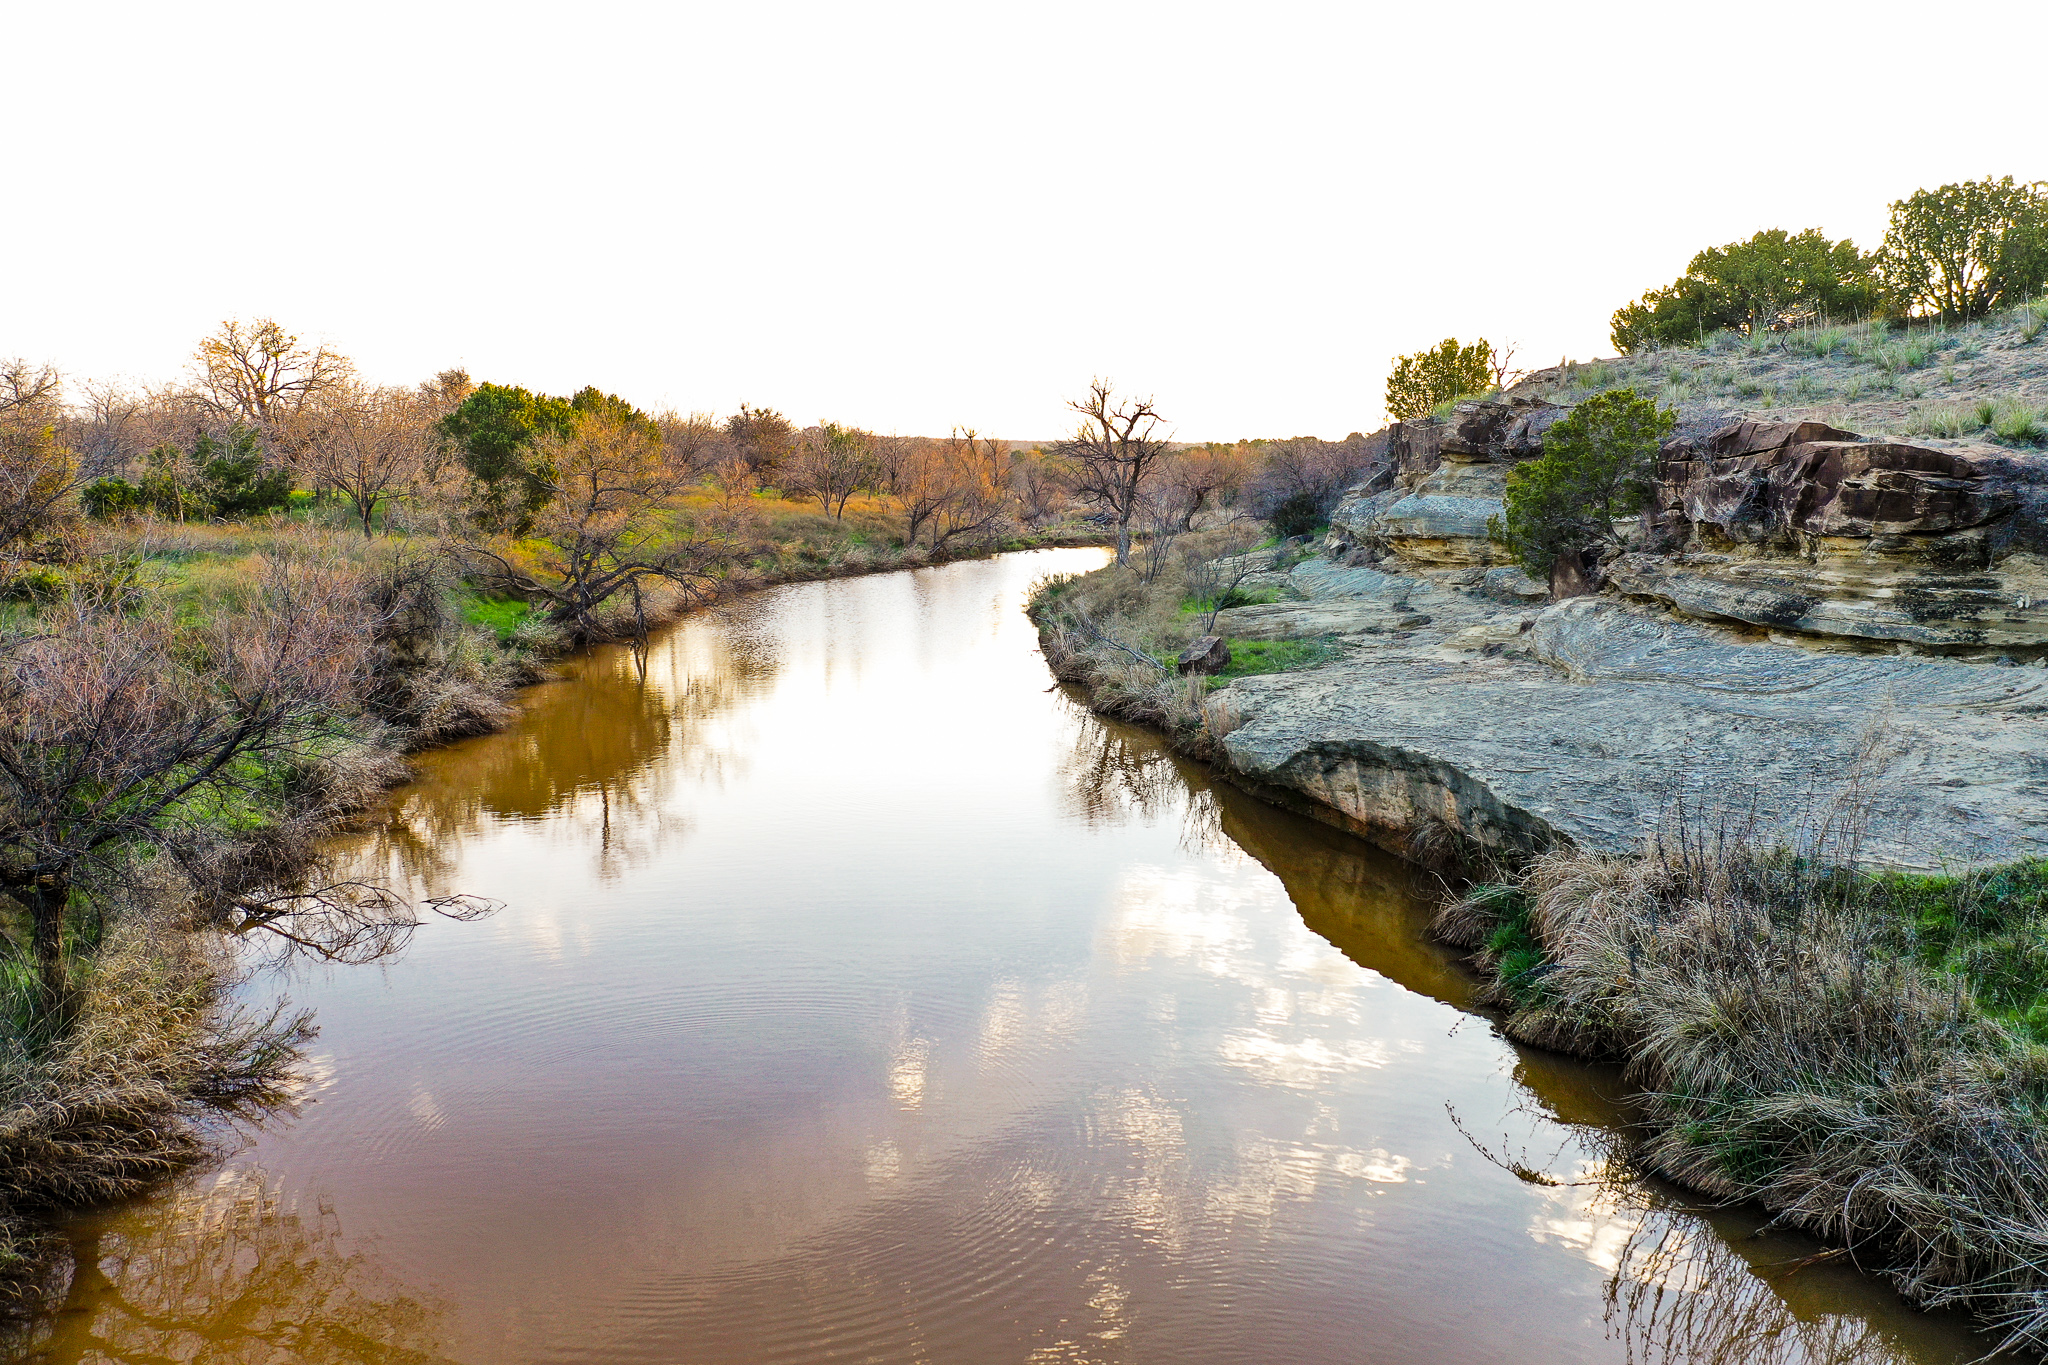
{"points": [[499, 427], [594, 402], [1598, 465], [1444, 372], [1965, 250], [1772, 280], [495, 428]]}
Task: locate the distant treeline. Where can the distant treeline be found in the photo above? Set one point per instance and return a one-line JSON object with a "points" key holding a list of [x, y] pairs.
{"points": [[1953, 254]]}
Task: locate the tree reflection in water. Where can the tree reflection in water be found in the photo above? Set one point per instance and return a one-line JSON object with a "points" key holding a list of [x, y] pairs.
{"points": [[229, 1273], [1681, 1292], [1115, 773], [611, 742]]}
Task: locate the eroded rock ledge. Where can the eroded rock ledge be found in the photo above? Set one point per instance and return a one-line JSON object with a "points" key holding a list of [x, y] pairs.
{"points": [[1590, 721]]}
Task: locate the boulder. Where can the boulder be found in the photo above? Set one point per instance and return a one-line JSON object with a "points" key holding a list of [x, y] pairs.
{"points": [[1206, 655]]}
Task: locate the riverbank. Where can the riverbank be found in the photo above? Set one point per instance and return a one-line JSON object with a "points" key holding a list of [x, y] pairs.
{"points": [[150, 1063], [1857, 1050]]}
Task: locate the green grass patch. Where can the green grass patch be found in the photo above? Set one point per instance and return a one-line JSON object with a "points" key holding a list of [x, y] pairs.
{"points": [[1249, 658], [1990, 927], [1518, 960], [502, 615]]}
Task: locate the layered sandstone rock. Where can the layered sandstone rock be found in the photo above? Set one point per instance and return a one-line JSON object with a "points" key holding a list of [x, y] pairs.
{"points": [[1449, 475], [1783, 485], [1753, 660], [1801, 527]]}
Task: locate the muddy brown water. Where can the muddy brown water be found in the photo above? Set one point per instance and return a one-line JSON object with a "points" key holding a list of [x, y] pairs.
{"points": [[860, 998]]}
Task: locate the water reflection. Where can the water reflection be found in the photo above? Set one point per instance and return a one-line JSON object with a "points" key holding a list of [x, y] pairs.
{"points": [[230, 1272], [607, 743]]}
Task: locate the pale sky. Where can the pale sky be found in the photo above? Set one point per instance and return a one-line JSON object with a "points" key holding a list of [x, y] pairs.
{"points": [[911, 216]]}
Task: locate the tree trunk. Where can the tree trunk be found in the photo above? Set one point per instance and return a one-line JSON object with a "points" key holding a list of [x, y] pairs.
{"points": [[46, 900], [1123, 544]]}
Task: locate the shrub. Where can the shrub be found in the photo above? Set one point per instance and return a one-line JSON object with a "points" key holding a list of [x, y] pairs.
{"points": [[1597, 465], [1772, 281], [1299, 516], [235, 478], [1444, 373], [108, 499], [1964, 250]]}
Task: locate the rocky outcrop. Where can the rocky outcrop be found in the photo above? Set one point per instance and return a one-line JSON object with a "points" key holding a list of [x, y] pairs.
{"points": [[1449, 476], [1798, 528], [1591, 722], [1301, 620], [1801, 527], [1856, 601], [1784, 485]]}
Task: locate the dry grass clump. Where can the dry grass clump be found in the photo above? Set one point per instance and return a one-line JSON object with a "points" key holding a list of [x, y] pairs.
{"points": [[2012, 420], [1792, 1049], [101, 1108]]}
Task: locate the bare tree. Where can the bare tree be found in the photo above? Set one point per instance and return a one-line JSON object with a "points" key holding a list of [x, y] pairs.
{"points": [[1500, 364], [734, 484], [258, 374], [26, 389], [1304, 477], [1206, 476], [954, 489], [108, 429], [38, 471], [832, 463], [1040, 491], [1213, 580], [917, 480], [1163, 513], [1112, 454], [609, 482], [978, 469], [371, 444], [695, 441]]}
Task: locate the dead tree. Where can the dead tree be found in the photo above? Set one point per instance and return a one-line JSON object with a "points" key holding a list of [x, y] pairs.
{"points": [[1112, 454]]}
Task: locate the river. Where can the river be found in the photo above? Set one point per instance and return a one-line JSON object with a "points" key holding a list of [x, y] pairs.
{"points": [[858, 996]]}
